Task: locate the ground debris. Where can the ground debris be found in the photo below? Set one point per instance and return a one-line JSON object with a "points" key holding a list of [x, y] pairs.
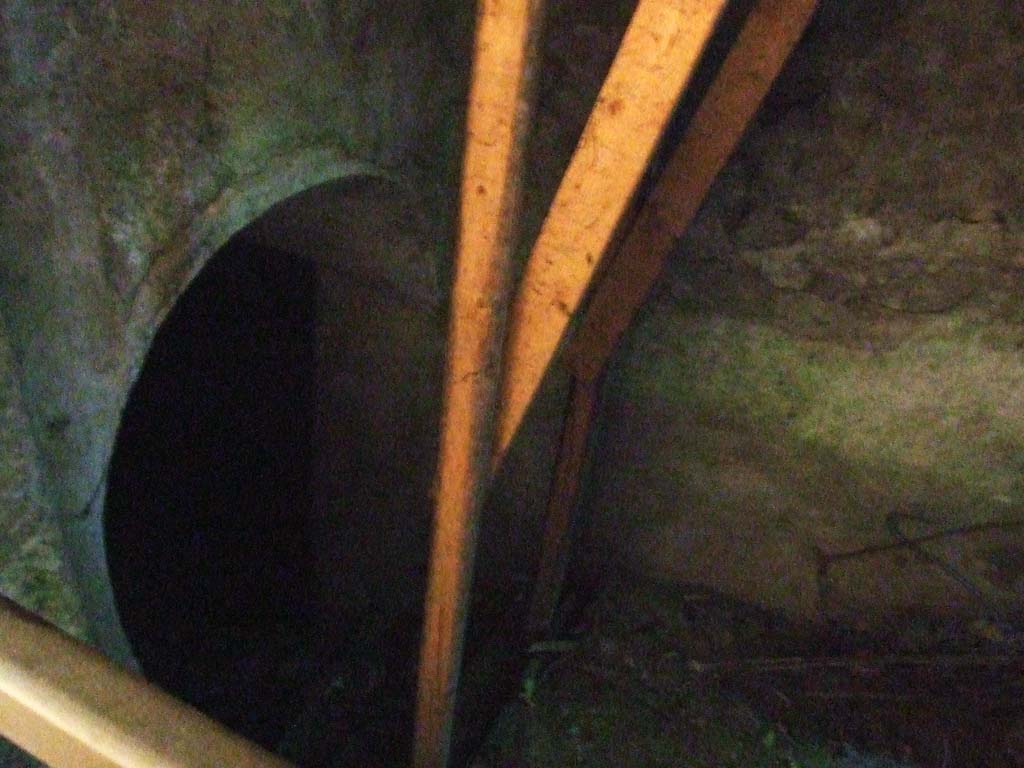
{"points": [[658, 678]]}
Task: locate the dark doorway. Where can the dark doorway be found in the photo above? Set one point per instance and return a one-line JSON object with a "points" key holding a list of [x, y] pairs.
{"points": [[209, 491], [267, 516]]}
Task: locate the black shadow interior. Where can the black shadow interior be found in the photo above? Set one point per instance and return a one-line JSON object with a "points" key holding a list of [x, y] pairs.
{"points": [[208, 492]]}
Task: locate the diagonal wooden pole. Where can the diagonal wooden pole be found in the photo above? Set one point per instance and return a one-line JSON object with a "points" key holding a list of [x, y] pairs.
{"points": [[769, 34], [497, 122], [657, 58], [658, 55], [558, 515]]}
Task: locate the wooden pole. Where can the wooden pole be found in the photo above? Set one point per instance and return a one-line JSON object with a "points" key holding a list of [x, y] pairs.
{"points": [[766, 39], [659, 53], [562, 501], [497, 124], [72, 707], [771, 30]]}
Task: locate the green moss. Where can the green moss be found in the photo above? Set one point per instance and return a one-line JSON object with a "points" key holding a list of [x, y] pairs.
{"points": [[30, 550], [946, 402], [306, 109]]}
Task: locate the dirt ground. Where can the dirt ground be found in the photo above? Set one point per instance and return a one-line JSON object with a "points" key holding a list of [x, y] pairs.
{"points": [[659, 674]]}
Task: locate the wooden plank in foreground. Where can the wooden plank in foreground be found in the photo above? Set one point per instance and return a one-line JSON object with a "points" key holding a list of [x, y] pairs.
{"points": [[658, 55], [768, 36], [71, 707], [497, 122]]}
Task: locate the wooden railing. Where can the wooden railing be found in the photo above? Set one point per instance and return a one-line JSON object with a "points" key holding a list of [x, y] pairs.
{"points": [[71, 707]]}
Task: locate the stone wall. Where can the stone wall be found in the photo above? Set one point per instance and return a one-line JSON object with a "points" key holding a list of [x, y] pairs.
{"points": [[834, 357]]}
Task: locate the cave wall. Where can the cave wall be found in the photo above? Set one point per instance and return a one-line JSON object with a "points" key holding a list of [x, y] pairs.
{"points": [[834, 358], [32, 566]]}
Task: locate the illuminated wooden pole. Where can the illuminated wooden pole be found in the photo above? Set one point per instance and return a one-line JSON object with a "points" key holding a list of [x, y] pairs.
{"points": [[72, 707], [768, 36], [771, 30], [497, 123], [658, 55]]}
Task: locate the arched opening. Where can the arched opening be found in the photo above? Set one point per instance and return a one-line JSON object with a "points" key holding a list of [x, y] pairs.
{"points": [[209, 488], [266, 516]]}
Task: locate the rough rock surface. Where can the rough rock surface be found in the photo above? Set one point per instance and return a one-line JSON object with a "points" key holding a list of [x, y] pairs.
{"points": [[833, 359], [31, 565]]}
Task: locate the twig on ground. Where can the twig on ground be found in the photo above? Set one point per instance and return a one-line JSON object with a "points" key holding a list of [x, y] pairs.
{"points": [[796, 663]]}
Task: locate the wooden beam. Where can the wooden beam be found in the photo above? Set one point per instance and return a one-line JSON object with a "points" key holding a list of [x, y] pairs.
{"points": [[71, 707], [768, 36], [658, 55], [497, 123], [766, 39], [562, 501]]}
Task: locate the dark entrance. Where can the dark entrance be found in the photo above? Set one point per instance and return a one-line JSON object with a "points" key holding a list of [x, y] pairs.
{"points": [[209, 491]]}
